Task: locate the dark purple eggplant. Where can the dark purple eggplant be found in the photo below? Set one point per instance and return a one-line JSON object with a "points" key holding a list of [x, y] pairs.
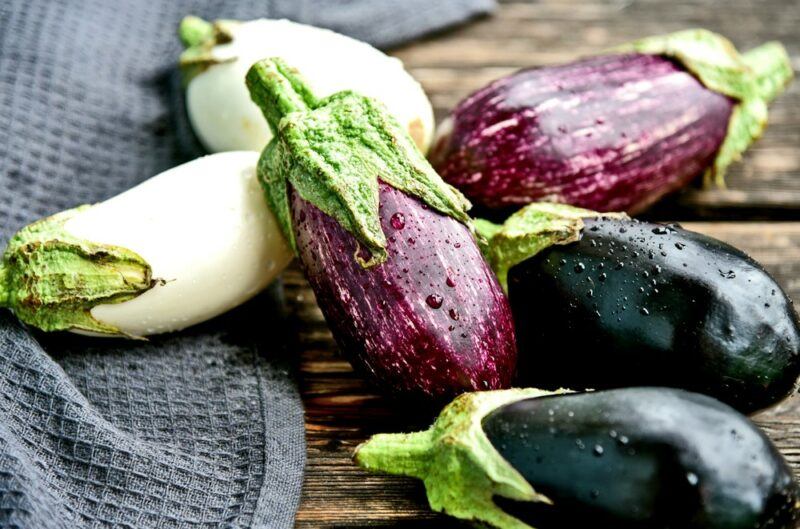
{"points": [[633, 458], [384, 243], [614, 132], [630, 303]]}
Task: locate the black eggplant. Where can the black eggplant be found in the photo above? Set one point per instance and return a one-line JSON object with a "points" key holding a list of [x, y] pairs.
{"points": [[629, 303], [633, 458]]}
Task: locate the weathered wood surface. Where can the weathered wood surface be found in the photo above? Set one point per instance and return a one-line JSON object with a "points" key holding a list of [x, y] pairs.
{"points": [[342, 411]]}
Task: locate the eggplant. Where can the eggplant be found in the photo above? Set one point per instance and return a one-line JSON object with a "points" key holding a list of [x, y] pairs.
{"points": [[627, 303], [614, 132], [632, 458], [218, 55], [385, 244], [178, 249]]}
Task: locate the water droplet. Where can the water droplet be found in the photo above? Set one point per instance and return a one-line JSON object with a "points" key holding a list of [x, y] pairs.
{"points": [[450, 283], [730, 274], [657, 269], [580, 267], [644, 311], [660, 230], [590, 293], [612, 434], [594, 228], [598, 450], [580, 444], [602, 277], [680, 245], [623, 439], [411, 240], [457, 245], [398, 221], [453, 314], [562, 262], [623, 230], [434, 301], [692, 478]]}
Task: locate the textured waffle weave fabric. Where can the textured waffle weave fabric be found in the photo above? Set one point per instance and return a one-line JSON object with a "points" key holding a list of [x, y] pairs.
{"points": [[199, 429]]}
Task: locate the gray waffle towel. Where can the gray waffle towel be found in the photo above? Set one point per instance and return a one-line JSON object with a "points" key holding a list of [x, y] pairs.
{"points": [[202, 428]]}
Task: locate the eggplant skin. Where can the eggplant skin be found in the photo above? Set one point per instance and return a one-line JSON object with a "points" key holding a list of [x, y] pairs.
{"points": [[608, 133], [653, 458], [427, 324], [634, 304]]}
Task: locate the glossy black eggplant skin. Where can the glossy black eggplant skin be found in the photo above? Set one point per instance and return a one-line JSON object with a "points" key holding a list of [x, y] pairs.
{"points": [[636, 304], [654, 458]]}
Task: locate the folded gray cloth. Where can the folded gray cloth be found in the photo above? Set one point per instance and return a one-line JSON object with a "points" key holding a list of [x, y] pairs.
{"points": [[203, 428]]}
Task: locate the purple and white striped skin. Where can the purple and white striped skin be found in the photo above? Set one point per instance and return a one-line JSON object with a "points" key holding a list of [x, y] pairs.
{"points": [[608, 133], [427, 324]]}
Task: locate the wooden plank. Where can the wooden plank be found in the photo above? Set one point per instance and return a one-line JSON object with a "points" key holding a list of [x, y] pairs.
{"points": [[341, 411], [522, 34]]}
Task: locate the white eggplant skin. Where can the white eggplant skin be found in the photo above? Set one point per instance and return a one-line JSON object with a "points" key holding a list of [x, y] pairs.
{"points": [[205, 230], [224, 118]]}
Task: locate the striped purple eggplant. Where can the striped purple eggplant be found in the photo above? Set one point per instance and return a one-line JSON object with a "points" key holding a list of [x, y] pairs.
{"points": [[431, 320], [613, 132], [385, 244]]}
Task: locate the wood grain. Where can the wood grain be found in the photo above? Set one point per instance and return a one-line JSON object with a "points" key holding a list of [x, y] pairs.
{"points": [[342, 411]]}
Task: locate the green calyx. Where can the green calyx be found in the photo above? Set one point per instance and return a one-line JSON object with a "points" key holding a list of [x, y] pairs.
{"points": [[333, 152], [461, 469], [199, 37], [51, 280], [753, 79], [529, 231]]}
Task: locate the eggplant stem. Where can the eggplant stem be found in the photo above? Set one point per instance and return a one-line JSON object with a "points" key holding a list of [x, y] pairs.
{"points": [[278, 90], [193, 31], [771, 67], [405, 454], [3, 285]]}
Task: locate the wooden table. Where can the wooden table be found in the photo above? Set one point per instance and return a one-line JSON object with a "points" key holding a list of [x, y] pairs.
{"points": [[758, 212]]}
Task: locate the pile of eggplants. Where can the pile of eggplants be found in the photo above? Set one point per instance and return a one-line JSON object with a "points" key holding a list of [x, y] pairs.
{"points": [[613, 132], [598, 300]]}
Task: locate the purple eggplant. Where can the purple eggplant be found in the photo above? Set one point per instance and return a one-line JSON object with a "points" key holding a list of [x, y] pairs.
{"points": [[392, 261], [432, 319], [614, 132]]}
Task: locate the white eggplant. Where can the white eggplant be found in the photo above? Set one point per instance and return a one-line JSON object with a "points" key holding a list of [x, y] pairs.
{"points": [[176, 250], [220, 54]]}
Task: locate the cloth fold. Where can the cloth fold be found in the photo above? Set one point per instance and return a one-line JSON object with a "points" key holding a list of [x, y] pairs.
{"points": [[202, 428]]}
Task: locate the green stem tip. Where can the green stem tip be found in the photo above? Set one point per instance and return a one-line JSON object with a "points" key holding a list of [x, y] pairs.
{"points": [[193, 31], [772, 68], [406, 454], [278, 90]]}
